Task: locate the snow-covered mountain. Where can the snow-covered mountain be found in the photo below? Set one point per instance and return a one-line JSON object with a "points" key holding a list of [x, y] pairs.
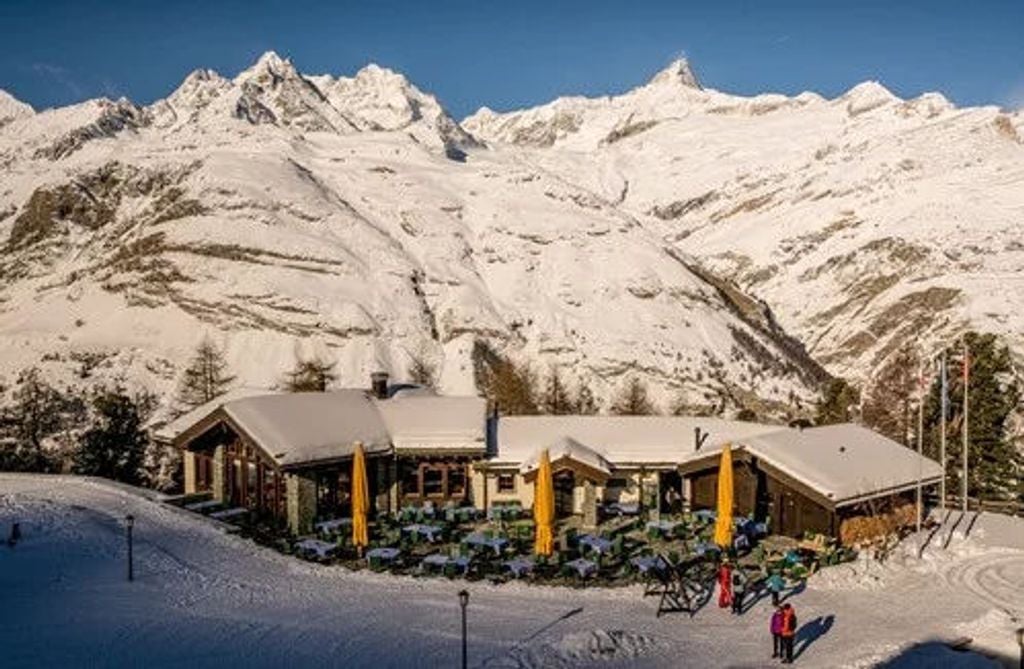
{"points": [[354, 219], [865, 221]]}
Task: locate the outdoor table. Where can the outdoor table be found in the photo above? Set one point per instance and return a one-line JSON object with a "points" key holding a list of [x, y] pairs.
{"points": [[495, 543], [519, 566], [229, 513], [202, 506], [384, 554], [663, 526], [624, 509], [704, 546], [582, 566], [436, 560], [707, 515], [597, 544], [321, 549], [430, 532], [504, 512], [333, 525], [646, 563], [465, 514]]}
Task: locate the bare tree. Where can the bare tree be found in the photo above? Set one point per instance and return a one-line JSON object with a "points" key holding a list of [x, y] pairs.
{"points": [[633, 400], [584, 403], [889, 402], [512, 387], [555, 398], [422, 372]]}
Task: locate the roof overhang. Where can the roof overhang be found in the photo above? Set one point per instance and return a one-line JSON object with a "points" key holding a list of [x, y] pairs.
{"points": [[885, 492]]}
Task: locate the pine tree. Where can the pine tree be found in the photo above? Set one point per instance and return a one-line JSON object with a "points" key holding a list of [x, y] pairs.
{"points": [[38, 415], [993, 458], [313, 375], [555, 398], [115, 444], [891, 402], [206, 376], [633, 400], [838, 403]]}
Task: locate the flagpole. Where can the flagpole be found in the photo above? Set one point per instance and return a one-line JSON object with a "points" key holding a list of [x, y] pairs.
{"points": [[942, 432], [967, 383], [920, 449]]}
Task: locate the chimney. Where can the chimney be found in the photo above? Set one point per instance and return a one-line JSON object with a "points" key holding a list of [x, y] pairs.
{"points": [[379, 385], [699, 438]]}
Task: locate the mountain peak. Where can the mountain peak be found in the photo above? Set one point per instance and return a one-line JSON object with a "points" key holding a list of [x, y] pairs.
{"points": [[866, 96], [268, 64], [11, 107], [678, 72]]}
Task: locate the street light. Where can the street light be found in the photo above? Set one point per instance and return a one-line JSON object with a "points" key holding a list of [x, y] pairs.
{"points": [[463, 602], [129, 524], [1020, 645]]}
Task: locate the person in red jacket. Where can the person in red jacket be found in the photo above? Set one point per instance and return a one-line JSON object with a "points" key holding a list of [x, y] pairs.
{"points": [[788, 632], [725, 585]]}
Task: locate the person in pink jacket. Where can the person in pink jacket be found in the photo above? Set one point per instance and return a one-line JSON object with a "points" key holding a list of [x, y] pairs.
{"points": [[776, 629]]}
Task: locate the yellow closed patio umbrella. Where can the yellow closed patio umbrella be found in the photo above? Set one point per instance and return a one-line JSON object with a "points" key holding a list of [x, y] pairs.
{"points": [[723, 520], [360, 500], [544, 507]]}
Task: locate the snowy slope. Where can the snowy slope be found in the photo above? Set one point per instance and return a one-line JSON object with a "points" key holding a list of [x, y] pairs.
{"points": [[864, 221], [354, 219], [202, 597]]}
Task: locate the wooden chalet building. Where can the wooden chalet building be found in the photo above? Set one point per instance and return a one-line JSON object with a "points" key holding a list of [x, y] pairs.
{"points": [[289, 456]]}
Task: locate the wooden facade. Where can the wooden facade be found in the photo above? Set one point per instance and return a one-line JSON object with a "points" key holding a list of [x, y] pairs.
{"points": [[248, 476], [766, 495], [433, 479]]}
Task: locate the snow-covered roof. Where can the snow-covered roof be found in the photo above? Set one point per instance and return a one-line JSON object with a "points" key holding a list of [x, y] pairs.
{"points": [[567, 448], [417, 421], [619, 439], [842, 463], [301, 428], [845, 463], [172, 429]]}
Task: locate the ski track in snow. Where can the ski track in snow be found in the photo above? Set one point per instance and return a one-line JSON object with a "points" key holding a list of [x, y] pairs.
{"points": [[206, 598]]}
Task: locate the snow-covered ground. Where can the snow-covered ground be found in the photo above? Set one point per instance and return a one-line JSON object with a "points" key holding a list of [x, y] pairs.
{"points": [[205, 598]]}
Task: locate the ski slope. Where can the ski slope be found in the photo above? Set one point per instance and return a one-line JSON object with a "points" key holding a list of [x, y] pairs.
{"points": [[206, 598]]}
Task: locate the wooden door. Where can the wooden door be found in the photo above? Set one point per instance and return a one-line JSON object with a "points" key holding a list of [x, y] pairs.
{"points": [[565, 486]]}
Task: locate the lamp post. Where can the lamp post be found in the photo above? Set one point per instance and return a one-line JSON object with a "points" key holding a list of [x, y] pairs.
{"points": [[463, 602], [1020, 645], [129, 524]]}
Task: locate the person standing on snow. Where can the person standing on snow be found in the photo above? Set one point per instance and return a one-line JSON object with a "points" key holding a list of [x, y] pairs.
{"points": [[739, 589], [776, 584], [725, 585], [788, 632], [776, 629]]}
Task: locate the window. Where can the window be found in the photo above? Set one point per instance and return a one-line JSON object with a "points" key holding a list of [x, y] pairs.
{"points": [[252, 482], [456, 481], [433, 481], [506, 482], [326, 493], [410, 479], [269, 489]]}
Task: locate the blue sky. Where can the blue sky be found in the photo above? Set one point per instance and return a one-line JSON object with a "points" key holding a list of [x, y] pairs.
{"points": [[512, 54]]}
